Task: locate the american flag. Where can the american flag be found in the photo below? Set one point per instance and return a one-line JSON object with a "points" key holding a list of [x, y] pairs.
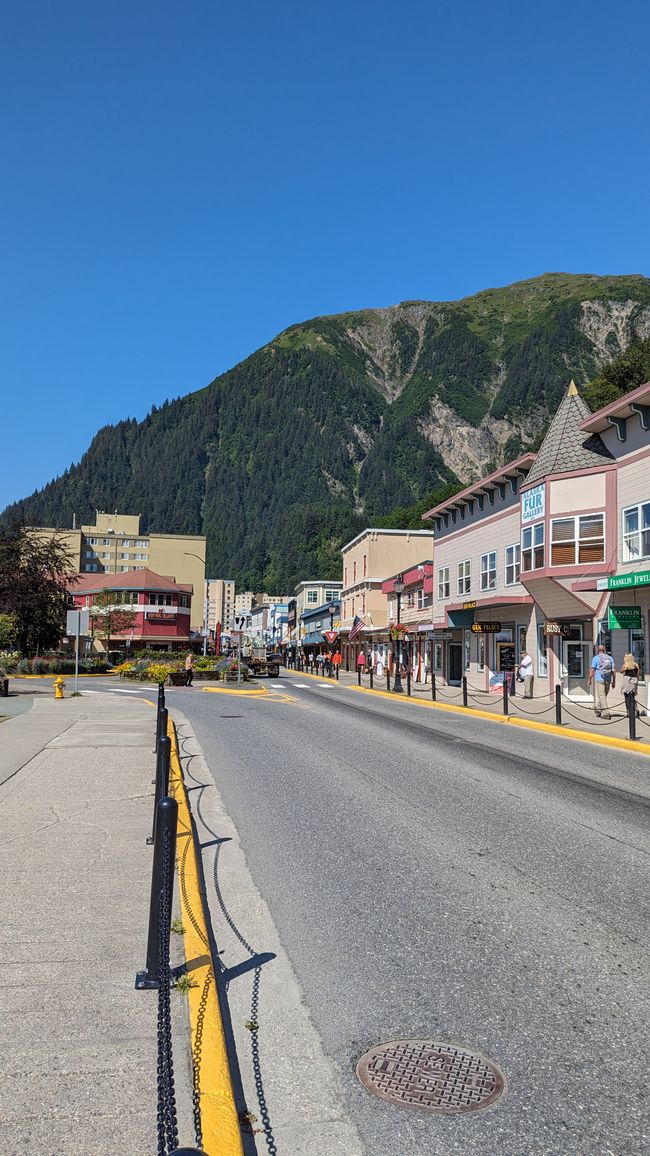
{"points": [[357, 626]]}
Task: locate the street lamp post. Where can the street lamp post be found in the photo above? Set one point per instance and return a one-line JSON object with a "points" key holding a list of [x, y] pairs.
{"points": [[331, 610], [206, 604], [398, 587]]}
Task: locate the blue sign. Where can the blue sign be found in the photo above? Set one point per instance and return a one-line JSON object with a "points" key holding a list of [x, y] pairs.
{"points": [[532, 504]]}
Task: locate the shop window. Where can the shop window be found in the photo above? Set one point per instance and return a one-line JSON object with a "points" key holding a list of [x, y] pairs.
{"points": [[512, 564], [636, 532], [542, 653], [489, 570], [437, 656], [637, 648], [467, 635], [443, 582], [532, 547], [577, 540], [480, 652], [464, 577]]}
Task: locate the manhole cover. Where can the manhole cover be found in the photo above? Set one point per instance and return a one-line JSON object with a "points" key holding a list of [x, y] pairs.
{"points": [[430, 1075]]}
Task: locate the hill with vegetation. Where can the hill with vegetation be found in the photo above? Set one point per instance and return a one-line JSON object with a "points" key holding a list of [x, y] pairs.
{"points": [[356, 419]]}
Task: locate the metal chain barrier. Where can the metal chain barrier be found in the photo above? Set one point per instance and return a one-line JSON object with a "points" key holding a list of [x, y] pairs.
{"points": [[166, 1115]]}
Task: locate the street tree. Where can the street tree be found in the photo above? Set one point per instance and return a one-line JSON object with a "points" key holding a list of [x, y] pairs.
{"points": [[108, 617], [35, 571]]}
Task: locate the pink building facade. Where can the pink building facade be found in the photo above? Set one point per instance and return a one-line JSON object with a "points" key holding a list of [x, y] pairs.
{"points": [[550, 553]]}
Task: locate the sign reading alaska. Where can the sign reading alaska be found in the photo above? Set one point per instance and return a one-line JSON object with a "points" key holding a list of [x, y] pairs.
{"points": [[532, 504]]}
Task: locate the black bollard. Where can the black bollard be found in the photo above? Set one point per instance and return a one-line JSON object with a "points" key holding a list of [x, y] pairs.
{"points": [[162, 778], [164, 856], [433, 686], [387, 678], [465, 691], [558, 705], [408, 681], [159, 708], [505, 694], [358, 676], [370, 671], [630, 703]]}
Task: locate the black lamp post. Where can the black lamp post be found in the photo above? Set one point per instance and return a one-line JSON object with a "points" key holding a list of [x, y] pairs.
{"points": [[331, 610], [398, 587]]}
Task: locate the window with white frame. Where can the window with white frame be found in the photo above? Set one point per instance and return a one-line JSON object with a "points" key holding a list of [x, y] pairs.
{"points": [[512, 564], [636, 532], [580, 539], [312, 597], [464, 577], [532, 547], [92, 541], [332, 595], [542, 655], [106, 541], [443, 582], [410, 600], [142, 542], [89, 554], [90, 568], [423, 600], [141, 558], [489, 570]]}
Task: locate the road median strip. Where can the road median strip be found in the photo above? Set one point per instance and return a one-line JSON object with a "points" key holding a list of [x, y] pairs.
{"points": [[212, 1078]]}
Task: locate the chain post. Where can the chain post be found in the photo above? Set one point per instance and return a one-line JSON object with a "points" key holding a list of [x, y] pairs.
{"points": [[464, 686], [162, 779], [630, 703], [433, 685], [558, 705], [505, 694], [387, 677], [371, 675], [164, 854], [358, 676], [408, 681]]}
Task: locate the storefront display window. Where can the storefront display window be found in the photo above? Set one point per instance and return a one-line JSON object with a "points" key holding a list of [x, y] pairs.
{"points": [[468, 637], [437, 656], [480, 652]]}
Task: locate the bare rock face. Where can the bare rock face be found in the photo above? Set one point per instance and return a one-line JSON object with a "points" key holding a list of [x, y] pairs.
{"points": [[612, 325], [465, 448]]}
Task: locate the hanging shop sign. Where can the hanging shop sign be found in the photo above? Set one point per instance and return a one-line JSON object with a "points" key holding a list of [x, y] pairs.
{"points": [[532, 504], [624, 581], [485, 627], [556, 628], [624, 617]]}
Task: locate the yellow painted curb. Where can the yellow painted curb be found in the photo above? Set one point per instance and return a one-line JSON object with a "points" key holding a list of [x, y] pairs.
{"points": [[219, 1120], [639, 748], [226, 690]]}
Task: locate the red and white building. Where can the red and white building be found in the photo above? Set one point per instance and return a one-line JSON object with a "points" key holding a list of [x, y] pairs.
{"points": [[161, 607]]}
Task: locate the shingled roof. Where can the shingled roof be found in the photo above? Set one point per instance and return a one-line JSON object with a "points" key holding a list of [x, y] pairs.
{"points": [[566, 447]]}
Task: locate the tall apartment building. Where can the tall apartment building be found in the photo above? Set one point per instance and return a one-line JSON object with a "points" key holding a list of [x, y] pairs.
{"points": [[220, 599], [115, 544]]}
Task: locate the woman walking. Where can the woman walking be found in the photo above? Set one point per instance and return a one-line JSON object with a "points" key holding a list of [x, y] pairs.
{"points": [[630, 683]]}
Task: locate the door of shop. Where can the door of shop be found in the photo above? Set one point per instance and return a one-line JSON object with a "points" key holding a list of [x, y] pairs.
{"points": [[455, 655], [576, 657]]}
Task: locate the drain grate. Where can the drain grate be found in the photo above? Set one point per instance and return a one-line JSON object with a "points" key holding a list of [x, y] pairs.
{"points": [[432, 1076], [231, 716]]}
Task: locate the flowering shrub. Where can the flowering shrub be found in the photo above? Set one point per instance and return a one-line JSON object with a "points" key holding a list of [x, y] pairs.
{"points": [[157, 671], [9, 660]]}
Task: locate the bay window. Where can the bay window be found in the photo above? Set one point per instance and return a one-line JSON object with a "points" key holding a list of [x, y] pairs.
{"points": [[532, 547], [636, 532], [577, 540]]}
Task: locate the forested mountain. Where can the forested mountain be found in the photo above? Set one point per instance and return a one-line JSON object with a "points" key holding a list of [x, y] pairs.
{"points": [[342, 420]]}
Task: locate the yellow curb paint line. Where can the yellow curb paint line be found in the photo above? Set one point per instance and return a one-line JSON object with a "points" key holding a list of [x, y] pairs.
{"points": [[219, 1119], [639, 748], [227, 690]]}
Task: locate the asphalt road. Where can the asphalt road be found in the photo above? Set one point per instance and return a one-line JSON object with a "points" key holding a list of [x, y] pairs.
{"points": [[435, 877]]}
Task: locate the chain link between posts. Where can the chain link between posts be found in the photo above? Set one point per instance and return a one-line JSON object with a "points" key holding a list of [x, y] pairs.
{"points": [[166, 1113]]}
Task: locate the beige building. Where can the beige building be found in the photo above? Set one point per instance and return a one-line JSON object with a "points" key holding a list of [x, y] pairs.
{"points": [[220, 600], [369, 558], [115, 544]]}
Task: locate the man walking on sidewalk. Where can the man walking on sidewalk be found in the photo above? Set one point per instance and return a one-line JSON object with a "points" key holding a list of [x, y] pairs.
{"points": [[603, 674]]}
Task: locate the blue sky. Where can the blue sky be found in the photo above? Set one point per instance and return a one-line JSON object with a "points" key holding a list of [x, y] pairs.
{"points": [[183, 181]]}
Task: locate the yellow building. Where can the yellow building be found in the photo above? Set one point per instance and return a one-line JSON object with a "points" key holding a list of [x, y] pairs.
{"points": [[115, 544]]}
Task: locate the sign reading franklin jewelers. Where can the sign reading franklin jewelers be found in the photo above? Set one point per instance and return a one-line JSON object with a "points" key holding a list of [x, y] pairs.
{"points": [[624, 617], [532, 504]]}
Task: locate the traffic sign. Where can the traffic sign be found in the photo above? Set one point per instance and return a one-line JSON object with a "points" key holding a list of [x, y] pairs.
{"points": [[240, 622], [331, 635]]}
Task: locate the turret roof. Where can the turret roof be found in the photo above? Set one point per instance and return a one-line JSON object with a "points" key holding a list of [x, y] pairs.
{"points": [[566, 446]]}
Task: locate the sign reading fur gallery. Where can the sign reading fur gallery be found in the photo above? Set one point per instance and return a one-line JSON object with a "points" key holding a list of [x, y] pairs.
{"points": [[532, 503]]}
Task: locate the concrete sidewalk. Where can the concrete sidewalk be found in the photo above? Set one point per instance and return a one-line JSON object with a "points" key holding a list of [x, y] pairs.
{"points": [[575, 715], [78, 1044]]}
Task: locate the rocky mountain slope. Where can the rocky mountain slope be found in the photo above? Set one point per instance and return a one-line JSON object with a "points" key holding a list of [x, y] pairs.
{"points": [[342, 419]]}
